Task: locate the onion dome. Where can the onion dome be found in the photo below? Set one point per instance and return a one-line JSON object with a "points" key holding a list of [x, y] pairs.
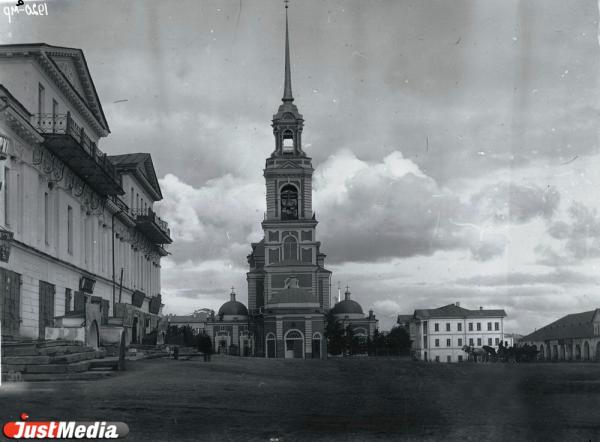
{"points": [[233, 307]]}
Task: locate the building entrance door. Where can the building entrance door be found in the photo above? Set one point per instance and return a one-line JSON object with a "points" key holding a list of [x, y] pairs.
{"points": [[294, 345], [46, 310], [10, 302]]}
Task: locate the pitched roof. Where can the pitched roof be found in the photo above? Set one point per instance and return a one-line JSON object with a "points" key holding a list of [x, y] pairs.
{"points": [[575, 325], [141, 164], [454, 311], [50, 55]]}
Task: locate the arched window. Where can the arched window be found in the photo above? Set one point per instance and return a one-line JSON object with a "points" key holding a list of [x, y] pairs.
{"points": [[290, 248], [289, 202], [293, 334], [288, 141]]}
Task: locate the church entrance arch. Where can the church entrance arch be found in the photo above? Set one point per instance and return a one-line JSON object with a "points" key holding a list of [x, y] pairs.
{"points": [[294, 344], [578, 352], [222, 342], [271, 346], [555, 352]]}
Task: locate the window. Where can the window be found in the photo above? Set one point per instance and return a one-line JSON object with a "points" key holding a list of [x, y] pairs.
{"points": [[46, 219], [448, 342], [288, 141], [489, 326], [479, 342], [497, 341], [7, 208], [448, 358], [290, 248], [68, 296], [70, 230], [460, 342], [470, 326], [425, 341], [41, 99], [131, 206], [437, 359], [424, 327], [460, 358], [496, 326], [54, 114], [479, 326], [471, 342], [436, 327], [437, 342], [459, 326], [289, 202], [490, 342], [19, 204], [447, 326]]}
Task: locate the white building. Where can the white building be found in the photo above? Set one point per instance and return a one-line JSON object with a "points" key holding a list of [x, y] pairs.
{"points": [[82, 223], [440, 334]]}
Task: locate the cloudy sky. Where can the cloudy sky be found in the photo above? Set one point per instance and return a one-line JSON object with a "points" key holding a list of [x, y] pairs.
{"points": [[455, 142]]}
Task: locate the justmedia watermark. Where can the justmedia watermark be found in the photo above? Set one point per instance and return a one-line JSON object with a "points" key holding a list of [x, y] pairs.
{"points": [[25, 429], [25, 8]]}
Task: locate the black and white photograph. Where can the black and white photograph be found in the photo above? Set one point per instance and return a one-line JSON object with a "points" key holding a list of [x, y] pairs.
{"points": [[300, 220]]}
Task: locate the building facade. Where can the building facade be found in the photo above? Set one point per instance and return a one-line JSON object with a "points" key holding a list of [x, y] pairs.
{"points": [[288, 284], [574, 337], [440, 334], [82, 222]]}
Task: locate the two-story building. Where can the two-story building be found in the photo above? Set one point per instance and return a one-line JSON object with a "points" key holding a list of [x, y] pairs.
{"points": [[80, 224], [440, 334]]}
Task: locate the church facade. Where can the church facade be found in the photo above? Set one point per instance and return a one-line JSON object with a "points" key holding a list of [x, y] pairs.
{"points": [[288, 284]]}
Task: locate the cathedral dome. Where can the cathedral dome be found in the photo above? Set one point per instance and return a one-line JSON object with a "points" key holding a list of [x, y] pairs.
{"points": [[347, 307], [233, 308]]}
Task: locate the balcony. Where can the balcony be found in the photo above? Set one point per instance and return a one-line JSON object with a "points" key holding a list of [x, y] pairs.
{"points": [[69, 142], [152, 226]]}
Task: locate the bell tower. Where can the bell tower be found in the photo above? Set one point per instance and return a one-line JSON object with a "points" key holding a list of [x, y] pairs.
{"points": [[288, 285]]}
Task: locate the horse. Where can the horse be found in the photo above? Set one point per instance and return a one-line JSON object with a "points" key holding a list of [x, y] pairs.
{"points": [[476, 352]]}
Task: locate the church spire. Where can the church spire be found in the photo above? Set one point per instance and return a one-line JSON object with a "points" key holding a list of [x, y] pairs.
{"points": [[288, 122], [287, 85]]}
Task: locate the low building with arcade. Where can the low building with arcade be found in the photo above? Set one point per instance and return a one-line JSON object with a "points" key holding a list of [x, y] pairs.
{"points": [[574, 337]]}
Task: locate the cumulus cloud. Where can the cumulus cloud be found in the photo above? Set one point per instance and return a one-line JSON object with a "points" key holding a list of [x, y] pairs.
{"points": [[578, 236], [391, 208]]}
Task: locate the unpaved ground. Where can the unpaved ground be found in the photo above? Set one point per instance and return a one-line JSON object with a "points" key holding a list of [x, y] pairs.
{"points": [[350, 399]]}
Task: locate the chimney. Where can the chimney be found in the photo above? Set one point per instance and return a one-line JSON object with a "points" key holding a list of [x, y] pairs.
{"points": [[232, 295]]}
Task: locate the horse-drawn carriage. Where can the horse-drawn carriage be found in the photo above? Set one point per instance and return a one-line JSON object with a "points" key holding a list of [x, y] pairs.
{"points": [[525, 353]]}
